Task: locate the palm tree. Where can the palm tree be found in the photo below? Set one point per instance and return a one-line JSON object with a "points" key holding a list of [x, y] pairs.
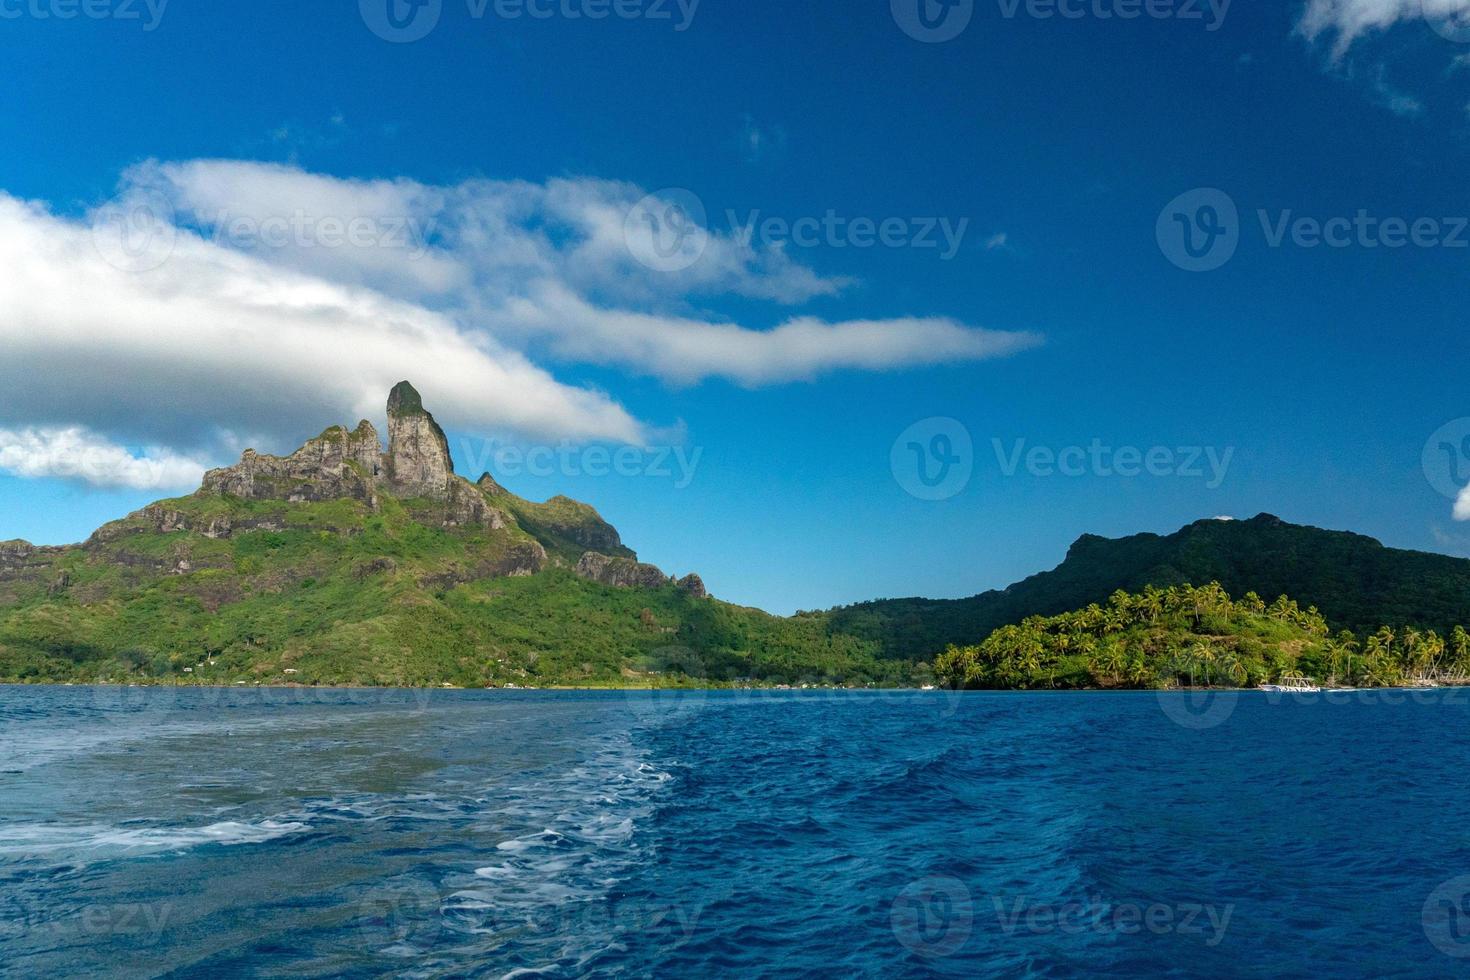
{"points": [[1152, 603], [1344, 646], [1431, 648], [1139, 672], [1234, 669], [1460, 649], [1203, 653]]}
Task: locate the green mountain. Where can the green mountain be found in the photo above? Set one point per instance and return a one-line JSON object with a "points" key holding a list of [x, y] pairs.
{"points": [[1356, 583], [346, 564]]}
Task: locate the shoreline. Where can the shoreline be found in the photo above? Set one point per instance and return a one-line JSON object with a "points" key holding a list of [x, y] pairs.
{"points": [[694, 689]]}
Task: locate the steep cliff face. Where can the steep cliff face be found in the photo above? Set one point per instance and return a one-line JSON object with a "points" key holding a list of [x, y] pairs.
{"points": [[340, 465], [336, 464], [342, 519], [418, 463], [349, 562], [626, 573], [567, 527]]}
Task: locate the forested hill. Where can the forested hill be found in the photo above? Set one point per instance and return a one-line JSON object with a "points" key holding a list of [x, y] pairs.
{"points": [[347, 564], [1355, 582]]}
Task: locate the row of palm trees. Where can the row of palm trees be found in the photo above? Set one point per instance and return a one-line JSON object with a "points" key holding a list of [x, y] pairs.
{"points": [[1198, 635]]}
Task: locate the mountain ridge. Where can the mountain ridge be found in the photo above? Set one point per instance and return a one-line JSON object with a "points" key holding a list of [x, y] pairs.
{"points": [[348, 562], [1354, 580], [343, 562]]}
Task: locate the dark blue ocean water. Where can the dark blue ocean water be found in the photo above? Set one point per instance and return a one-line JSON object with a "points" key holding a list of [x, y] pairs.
{"points": [[250, 833]]}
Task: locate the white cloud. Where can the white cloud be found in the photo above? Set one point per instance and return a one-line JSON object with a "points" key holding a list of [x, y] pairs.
{"points": [[1349, 20], [229, 302], [553, 263], [213, 340], [684, 351], [73, 453], [1462, 505]]}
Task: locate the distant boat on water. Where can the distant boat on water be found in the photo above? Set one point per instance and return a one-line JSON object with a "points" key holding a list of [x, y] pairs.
{"points": [[1292, 684]]}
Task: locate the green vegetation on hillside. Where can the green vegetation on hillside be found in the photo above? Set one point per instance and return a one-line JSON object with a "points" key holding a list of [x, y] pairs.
{"points": [[1187, 636], [1356, 583], [339, 593], [343, 564]]}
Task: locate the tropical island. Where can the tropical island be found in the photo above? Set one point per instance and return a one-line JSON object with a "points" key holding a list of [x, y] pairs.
{"points": [[345, 564], [1183, 636]]}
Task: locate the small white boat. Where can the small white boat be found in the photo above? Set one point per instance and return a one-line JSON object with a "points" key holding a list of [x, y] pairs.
{"points": [[1292, 684]]}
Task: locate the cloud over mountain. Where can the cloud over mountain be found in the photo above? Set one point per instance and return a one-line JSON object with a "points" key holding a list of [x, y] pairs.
{"points": [[217, 303]]}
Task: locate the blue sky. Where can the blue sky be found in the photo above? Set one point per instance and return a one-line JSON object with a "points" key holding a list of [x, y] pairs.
{"points": [[501, 165]]}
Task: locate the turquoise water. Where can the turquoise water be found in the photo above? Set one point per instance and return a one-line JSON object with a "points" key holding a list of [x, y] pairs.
{"points": [[250, 833]]}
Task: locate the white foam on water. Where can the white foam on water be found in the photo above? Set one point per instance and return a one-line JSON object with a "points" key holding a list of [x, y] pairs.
{"points": [[27, 745], [98, 840], [578, 840]]}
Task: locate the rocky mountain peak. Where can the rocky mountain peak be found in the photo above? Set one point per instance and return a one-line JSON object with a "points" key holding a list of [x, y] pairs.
{"points": [[341, 463], [418, 462], [405, 399]]}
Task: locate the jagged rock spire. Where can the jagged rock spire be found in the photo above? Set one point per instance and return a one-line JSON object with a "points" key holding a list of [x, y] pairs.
{"points": [[405, 399], [418, 462]]}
